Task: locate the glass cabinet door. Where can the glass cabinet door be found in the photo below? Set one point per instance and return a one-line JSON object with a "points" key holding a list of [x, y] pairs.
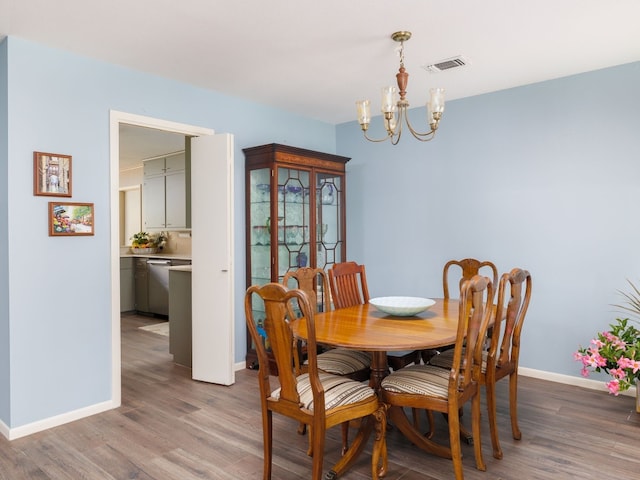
{"points": [[293, 220], [259, 215], [330, 221]]}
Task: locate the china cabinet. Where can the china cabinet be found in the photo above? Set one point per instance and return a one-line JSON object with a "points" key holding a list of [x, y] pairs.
{"points": [[295, 216]]}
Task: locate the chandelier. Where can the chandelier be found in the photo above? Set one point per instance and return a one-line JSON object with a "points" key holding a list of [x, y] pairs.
{"points": [[394, 109]]}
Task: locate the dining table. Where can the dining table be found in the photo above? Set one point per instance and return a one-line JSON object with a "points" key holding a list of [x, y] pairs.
{"points": [[364, 327]]}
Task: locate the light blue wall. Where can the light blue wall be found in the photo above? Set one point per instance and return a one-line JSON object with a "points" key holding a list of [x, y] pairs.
{"points": [[544, 177], [4, 248], [58, 289]]}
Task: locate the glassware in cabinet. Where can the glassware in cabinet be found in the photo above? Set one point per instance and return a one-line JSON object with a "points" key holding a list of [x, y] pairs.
{"points": [[295, 201]]}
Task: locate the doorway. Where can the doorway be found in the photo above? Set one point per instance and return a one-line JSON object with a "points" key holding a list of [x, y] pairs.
{"points": [[116, 119]]}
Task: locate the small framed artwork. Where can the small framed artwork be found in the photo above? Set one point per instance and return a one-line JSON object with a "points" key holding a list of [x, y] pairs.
{"points": [[70, 219], [51, 174]]}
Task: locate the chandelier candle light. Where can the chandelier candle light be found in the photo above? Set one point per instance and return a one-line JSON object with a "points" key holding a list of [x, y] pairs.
{"points": [[391, 105]]}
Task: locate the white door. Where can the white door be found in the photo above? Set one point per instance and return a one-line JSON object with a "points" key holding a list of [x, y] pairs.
{"points": [[212, 254]]}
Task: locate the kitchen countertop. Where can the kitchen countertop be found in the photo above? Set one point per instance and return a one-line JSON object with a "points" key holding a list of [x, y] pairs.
{"points": [[169, 256]]}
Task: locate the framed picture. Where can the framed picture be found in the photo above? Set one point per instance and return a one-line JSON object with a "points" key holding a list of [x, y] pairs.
{"points": [[70, 219], [51, 174]]}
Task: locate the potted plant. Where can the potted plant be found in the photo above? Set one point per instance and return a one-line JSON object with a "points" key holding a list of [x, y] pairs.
{"points": [[143, 242], [617, 351]]}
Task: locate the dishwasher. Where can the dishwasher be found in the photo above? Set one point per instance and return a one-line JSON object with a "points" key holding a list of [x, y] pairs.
{"points": [[158, 274]]}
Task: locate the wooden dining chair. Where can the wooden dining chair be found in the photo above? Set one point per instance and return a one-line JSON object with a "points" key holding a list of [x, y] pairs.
{"points": [[435, 389], [318, 399], [339, 361], [348, 284], [353, 364], [502, 358], [469, 268]]}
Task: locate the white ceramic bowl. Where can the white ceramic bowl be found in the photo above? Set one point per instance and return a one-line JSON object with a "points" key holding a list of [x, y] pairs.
{"points": [[402, 306]]}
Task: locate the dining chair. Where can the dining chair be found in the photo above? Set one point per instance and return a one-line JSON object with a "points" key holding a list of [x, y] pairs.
{"points": [[434, 389], [318, 399], [469, 267], [339, 361], [502, 358], [353, 364], [348, 284]]}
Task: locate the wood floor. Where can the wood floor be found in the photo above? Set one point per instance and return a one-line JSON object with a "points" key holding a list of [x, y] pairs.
{"points": [[172, 428]]}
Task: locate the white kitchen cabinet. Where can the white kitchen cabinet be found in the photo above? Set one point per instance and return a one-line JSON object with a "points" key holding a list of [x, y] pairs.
{"points": [[164, 194]]}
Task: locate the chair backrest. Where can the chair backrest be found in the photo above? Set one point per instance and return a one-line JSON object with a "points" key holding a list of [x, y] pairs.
{"points": [[313, 282], [469, 267], [279, 303], [348, 283], [514, 294], [475, 295]]}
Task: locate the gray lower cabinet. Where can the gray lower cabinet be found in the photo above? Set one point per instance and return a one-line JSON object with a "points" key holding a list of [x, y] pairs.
{"points": [[141, 285], [180, 315], [127, 285]]}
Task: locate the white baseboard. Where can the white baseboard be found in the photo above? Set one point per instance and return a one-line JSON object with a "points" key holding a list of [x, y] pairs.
{"points": [[569, 380], [23, 431], [40, 425]]}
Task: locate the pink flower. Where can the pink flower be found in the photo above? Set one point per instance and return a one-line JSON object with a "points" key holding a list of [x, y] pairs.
{"points": [[596, 360], [584, 372], [617, 373], [624, 362], [614, 387]]}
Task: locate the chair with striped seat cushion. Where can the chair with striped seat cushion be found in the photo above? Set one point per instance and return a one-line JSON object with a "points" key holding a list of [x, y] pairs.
{"points": [[501, 360], [436, 389], [317, 399], [339, 361]]}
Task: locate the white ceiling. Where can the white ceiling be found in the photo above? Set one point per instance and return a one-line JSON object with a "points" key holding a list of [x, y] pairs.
{"points": [[316, 57]]}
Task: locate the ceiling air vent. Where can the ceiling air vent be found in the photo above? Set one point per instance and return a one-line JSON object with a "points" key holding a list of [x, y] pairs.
{"points": [[447, 64]]}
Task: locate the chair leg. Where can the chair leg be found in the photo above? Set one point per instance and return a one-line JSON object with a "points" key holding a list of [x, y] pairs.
{"points": [[475, 426], [490, 388], [267, 429], [310, 449], [345, 437], [317, 432], [454, 441], [513, 405], [416, 421]]}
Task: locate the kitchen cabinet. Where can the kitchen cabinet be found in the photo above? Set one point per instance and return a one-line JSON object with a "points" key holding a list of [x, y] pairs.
{"points": [[295, 215], [142, 285], [165, 193], [180, 344], [127, 285]]}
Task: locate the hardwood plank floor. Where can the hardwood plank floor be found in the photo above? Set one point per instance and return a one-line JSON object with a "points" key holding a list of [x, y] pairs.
{"points": [[172, 428]]}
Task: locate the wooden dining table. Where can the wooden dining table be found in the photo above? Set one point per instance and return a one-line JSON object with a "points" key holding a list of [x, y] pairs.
{"points": [[363, 327]]}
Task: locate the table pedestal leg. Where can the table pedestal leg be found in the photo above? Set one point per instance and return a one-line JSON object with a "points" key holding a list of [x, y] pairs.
{"points": [[379, 369], [400, 420]]}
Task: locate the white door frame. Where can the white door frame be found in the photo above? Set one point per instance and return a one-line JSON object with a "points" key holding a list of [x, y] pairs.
{"points": [[115, 119]]}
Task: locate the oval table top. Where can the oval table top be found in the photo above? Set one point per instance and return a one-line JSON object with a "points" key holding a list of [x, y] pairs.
{"points": [[363, 327]]}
